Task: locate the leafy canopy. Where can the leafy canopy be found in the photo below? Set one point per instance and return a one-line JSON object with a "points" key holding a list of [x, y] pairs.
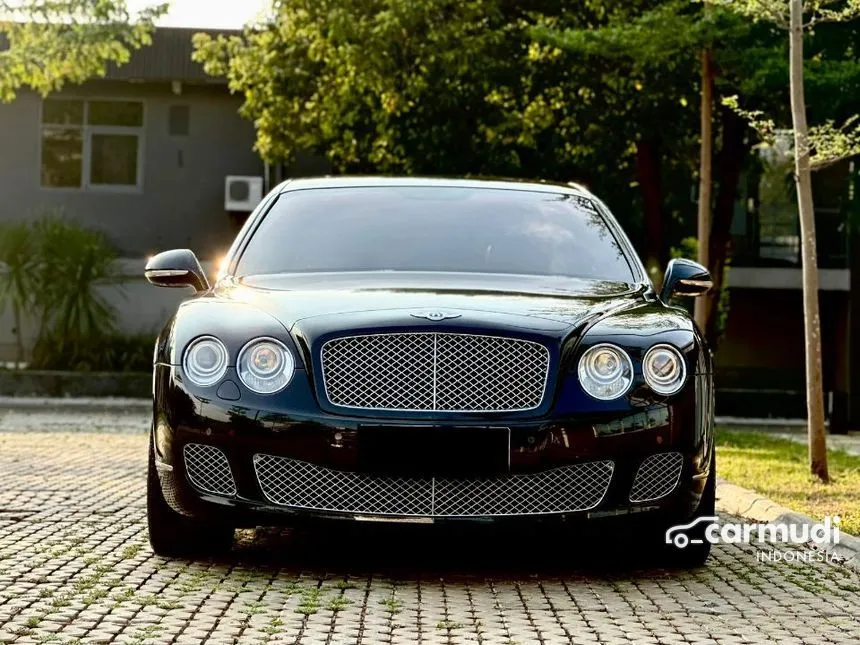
{"points": [[457, 87], [45, 44], [828, 142]]}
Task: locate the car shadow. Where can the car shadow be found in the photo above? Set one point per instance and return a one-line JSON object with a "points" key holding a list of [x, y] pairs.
{"points": [[409, 552]]}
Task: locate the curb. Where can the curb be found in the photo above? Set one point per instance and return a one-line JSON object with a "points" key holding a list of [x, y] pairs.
{"points": [[742, 502]]}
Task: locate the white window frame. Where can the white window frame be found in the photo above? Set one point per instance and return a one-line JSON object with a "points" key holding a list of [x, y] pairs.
{"points": [[86, 144]]}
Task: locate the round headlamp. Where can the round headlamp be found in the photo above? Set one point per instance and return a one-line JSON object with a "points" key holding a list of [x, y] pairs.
{"points": [[605, 372], [664, 369], [205, 361], [265, 365]]}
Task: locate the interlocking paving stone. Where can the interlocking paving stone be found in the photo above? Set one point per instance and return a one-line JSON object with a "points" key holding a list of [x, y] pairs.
{"points": [[75, 567]]}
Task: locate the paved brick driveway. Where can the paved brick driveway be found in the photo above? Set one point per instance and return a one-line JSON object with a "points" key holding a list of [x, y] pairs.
{"points": [[75, 567]]}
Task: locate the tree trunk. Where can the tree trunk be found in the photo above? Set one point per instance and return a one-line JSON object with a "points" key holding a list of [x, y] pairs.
{"points": [[703, 227], [729, 165], [811, 320], [648, 174]]}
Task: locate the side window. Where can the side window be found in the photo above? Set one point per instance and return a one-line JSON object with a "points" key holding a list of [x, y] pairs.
{"points": [[91, 144], [62, 143]]}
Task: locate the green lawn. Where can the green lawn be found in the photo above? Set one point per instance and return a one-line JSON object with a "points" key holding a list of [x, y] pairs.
{"points": [[777, 468]]}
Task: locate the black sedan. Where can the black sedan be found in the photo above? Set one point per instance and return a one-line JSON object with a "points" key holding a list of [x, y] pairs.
{"points": [[428, 350]]}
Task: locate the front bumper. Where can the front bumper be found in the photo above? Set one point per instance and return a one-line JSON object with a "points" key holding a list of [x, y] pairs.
{"points": [[250, 468]]}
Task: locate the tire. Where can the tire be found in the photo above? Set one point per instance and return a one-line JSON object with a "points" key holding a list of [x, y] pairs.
{"points": [[174, 535], [693, 554]]}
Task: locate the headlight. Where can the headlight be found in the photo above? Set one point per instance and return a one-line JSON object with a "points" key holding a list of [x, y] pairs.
{"points": [[664, 369], [265, 365], [205, 361], [605, 372]]}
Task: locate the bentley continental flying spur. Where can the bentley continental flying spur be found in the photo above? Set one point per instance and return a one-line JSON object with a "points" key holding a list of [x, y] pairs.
{"points": [[433, 351]]}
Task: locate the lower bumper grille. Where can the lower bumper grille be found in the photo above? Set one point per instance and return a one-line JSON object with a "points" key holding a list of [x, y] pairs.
{"points": [[208, 469], [299, 484], [658, 475]]}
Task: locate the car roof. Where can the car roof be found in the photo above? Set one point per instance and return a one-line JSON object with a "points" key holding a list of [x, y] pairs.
{"points": [[374, 181]]}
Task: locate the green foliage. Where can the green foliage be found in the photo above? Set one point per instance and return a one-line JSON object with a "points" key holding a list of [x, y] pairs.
{"points": [[689, 248], [641, 34], [54, 42], [826, 143], [55, 271], [777, 11], [73, 263], [441, 87], [538, 88], [17, 274], [386, 86]]}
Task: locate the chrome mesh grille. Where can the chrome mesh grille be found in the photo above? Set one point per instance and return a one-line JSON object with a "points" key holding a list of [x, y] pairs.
{"points": [[298, 484], [657, 476], [208, 469], [435, 371]]}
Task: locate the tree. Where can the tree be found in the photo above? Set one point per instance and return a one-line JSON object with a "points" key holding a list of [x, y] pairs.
{"points": [[663, 45], [444, 87], [820, 147], [706, 136], [644, 55], [45, 44]]}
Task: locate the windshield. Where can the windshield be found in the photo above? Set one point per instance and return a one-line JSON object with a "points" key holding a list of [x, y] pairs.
{"points": [[436, 228]]}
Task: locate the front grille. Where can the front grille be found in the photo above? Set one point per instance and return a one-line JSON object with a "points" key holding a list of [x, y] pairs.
{"points": [[435, 372], [299, 484], [657, 476], [208, 469]]}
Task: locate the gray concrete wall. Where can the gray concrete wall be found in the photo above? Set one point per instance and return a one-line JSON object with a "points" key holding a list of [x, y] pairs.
{"points": [[178, 206], [141, 308]]}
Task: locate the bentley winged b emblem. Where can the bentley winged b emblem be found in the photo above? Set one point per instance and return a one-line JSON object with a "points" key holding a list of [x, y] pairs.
{"points": [[435, 316]]}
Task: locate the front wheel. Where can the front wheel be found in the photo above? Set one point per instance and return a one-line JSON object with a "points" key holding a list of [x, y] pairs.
{"points": [[690, 548], [174, 535]]}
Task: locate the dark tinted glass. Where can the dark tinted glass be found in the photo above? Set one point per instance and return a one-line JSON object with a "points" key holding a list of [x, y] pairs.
{"points": [[113, 159], [117, 113], [63, 111], [62, 151], [435, 229]]}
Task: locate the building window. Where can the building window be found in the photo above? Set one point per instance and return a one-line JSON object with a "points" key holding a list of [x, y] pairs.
{"points": [[91, 144]]}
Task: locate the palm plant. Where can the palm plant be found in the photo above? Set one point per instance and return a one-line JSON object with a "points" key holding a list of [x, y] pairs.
{"points": [[18, 276], [74, 263], [54, 271]]}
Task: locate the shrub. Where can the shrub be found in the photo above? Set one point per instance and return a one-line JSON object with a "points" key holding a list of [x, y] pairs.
{"points": [[18, 275], [111, 353], [54, 268]]}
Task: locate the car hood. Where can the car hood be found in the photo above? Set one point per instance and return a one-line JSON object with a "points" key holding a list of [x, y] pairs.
{"points": [[304, 301]]}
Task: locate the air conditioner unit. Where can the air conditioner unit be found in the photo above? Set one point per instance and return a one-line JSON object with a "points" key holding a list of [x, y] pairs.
{"points": [[242, 193]]}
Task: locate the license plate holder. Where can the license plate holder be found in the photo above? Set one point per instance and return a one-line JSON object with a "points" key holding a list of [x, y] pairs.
{"points": [[433, 450]]}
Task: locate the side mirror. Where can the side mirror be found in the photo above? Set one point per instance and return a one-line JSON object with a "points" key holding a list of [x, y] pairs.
{"points": [[176, 268], [685, 278]]}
